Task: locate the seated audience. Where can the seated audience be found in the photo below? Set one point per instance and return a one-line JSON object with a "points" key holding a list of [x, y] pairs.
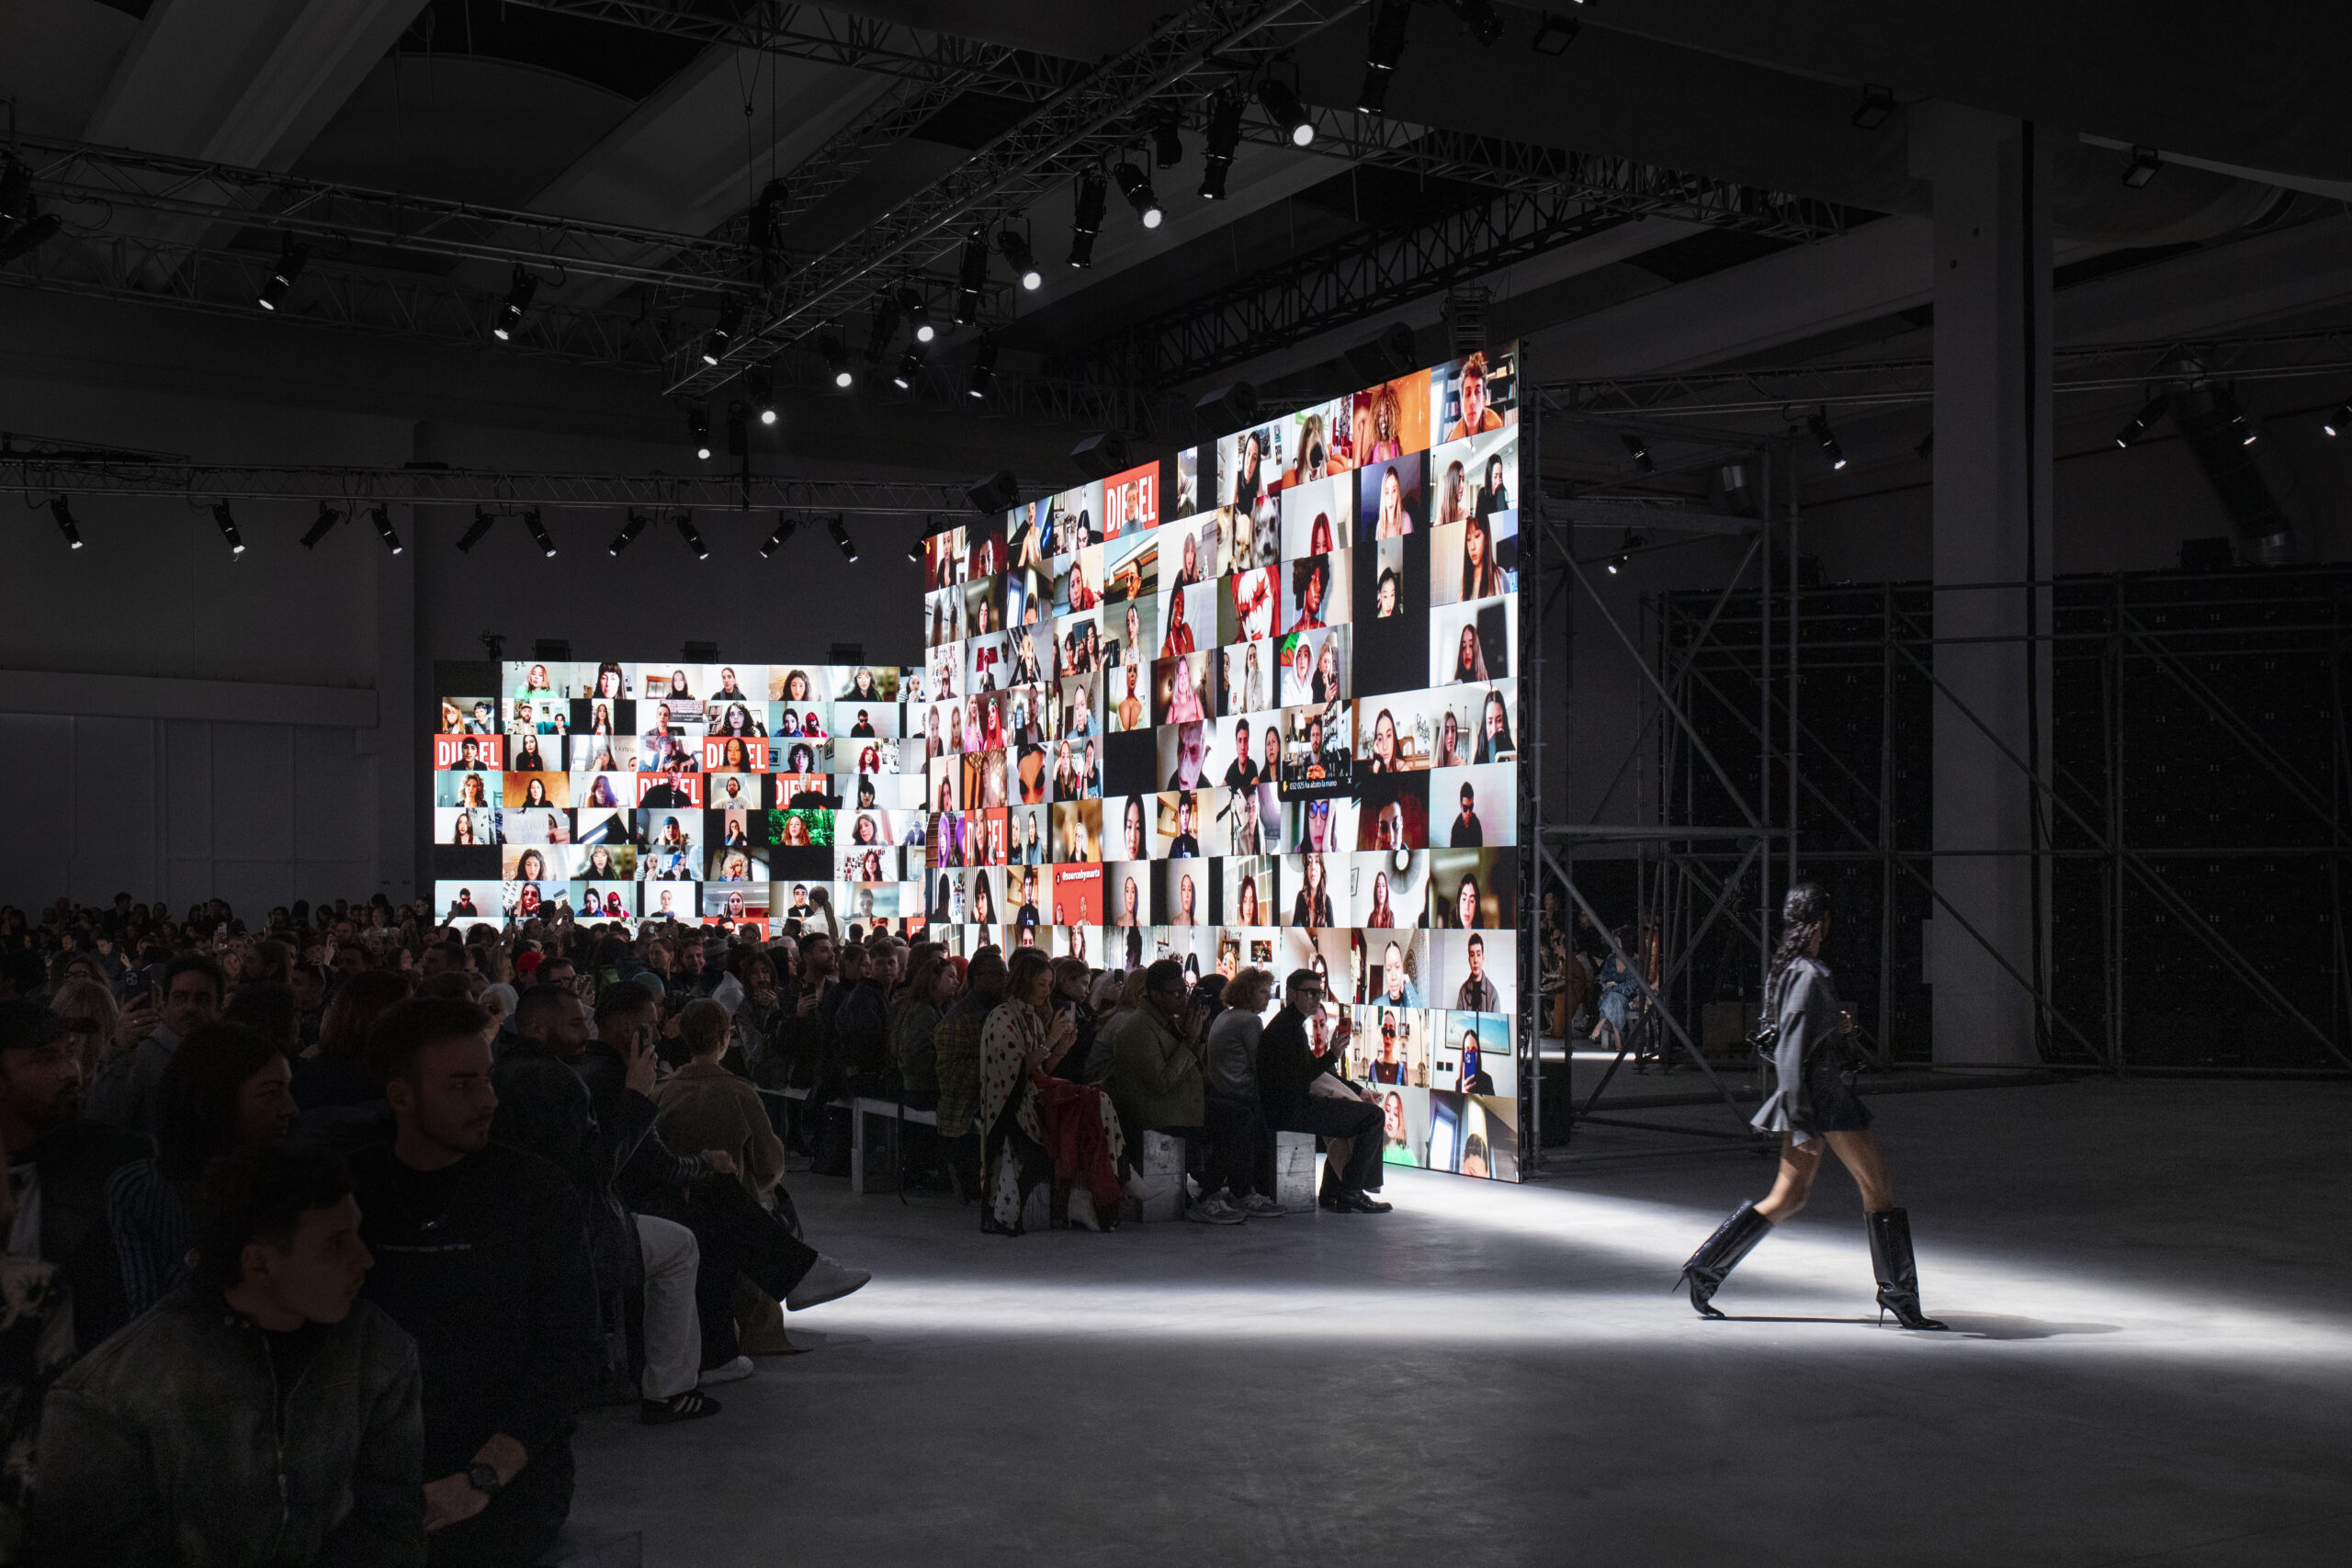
{"points": [[1040, 1127], [734, 1235], [1241, 1150], [1302, 1092], [1155, 1078], [262, 1413], [59, 1165], [225, 1089], [123, 1096], [955, 1057], [546, 1105], [481, 1255]]}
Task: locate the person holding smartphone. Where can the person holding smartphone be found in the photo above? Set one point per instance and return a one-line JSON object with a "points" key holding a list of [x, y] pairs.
{"points": [[1302, 1090]]}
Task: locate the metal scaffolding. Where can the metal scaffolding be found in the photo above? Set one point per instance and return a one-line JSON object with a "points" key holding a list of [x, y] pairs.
{"points": [[2191, 795]]}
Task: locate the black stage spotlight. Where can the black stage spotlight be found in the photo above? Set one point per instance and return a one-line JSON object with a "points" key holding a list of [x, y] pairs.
{"points": [[1086, 217], [686, 530], [15, 194], [2142, 422], [59, 509], [699, 429], [630, 530], [27, 228], [738, 429], [836, 357], [1478, 18], [537, 527], [1102, 454], [839, 530], [910, 365], [1228, 408], [1284, 108], [785, 528], [475, 530], [914, 546], [762, 395], [2145, 162], [1218, 148], [971, 278], [381, 515], [1555, 33], [328, 518], [885, 327], [730, 319], [518, 299], [983, 368], [1638, 450], [2338, 420], [1827, 439], [227, 523], [29, 237], [291, 258], [1014, 246], [1136, 185], [1876, 108], [1167, 137], [995, 493], [1381, 51], [918, 314]]}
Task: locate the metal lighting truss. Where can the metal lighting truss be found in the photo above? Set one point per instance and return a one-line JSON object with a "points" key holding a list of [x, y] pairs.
{"points": [[1889, 383], [72, 473], [388, 227], [1076, 129], [225, 283], [927, 59]]}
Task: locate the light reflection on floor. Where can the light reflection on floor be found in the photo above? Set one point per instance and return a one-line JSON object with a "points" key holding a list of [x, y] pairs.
{"points": [[1614, 1260]]}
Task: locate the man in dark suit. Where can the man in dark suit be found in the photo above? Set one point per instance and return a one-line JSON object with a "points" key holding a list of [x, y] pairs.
{"points": [[1352, 1127]]}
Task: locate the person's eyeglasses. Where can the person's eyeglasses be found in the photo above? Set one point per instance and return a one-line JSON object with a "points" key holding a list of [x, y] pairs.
{"points": [[1387, 1032]]}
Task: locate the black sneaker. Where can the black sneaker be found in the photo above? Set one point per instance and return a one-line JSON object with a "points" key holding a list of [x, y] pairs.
{"points": [[691, 1405]]}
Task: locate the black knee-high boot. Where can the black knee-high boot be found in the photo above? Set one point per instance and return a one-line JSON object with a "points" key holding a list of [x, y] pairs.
{"points": [[1898, 1272], [1720, 1254]]}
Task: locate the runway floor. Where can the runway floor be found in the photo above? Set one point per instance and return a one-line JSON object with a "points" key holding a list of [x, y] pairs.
{"points": [[2149, 1363]]}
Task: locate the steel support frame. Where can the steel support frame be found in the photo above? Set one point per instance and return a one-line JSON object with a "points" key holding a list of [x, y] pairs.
{"points": [[1679, 448], [2127, 641]]}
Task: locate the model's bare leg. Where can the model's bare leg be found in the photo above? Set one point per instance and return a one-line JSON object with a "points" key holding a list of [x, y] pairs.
{"points": [[1865, 1161], [1800, 1163]]}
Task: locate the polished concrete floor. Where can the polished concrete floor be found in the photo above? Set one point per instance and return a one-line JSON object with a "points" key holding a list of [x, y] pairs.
{"points": [[2150, 1362]]}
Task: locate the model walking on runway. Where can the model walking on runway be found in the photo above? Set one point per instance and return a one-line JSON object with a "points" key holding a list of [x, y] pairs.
{"points": [[1813, 1103]]}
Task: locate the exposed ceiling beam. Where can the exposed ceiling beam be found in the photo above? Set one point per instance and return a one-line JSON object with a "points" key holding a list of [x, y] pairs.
{"points": [[70, 474], [80, 178]]}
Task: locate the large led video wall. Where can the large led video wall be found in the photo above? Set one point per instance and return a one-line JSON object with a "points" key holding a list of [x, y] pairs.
{"points": [[1260, 706], [724, 794]]}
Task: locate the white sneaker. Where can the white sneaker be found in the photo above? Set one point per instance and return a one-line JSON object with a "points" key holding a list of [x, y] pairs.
{"points": [[825, 1281], [1216, 1211], [730, 1372], [1257, 1206]]}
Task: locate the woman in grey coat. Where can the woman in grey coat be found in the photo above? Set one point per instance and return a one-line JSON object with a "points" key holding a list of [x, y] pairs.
{"points": [[1813, 1103]]}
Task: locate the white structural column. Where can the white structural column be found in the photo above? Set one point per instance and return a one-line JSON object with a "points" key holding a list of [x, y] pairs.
{"points": [[1992, 527]]}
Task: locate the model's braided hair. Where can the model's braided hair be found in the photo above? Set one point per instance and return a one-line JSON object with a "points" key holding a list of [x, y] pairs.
{"points": [[1802, 914]]}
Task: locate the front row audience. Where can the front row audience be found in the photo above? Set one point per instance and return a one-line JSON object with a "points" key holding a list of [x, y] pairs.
{"points": [[347, 1304]]}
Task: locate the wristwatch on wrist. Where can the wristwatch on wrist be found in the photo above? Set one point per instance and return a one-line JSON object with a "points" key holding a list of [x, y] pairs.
{"points": [[483, 1478]]}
